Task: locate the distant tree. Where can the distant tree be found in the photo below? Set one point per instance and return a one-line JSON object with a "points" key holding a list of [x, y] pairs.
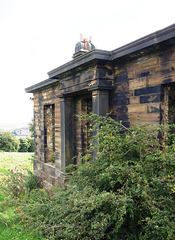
{"points": [[23, 145], [31, 127], [8, 142], [15, 133], [31, 147], [26, 145]]}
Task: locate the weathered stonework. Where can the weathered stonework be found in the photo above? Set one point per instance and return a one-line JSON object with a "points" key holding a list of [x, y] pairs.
{"points": [[135, 83]]}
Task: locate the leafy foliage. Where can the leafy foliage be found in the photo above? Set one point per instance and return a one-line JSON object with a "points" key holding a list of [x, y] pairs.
{"points": [[23, 145], [124, 188], [13, 191], [31, 128], [26, 145], [19, 183], [126, 191], [8, 142], [31, 146]]}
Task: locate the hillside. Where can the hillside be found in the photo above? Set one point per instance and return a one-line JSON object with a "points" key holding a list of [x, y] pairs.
{"points": [[17, 132]]}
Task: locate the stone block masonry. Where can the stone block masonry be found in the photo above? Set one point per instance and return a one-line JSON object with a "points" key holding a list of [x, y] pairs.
{"points": [[141, 81], [47, 157], [134, 83]]}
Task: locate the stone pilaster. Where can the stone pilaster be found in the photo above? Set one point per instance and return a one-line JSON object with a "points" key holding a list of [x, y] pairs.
{"points": [[66, 131], [100, 102], [100, 106]]}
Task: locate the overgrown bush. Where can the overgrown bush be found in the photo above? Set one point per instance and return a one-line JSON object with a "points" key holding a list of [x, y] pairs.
{"points": [[32, 182], [8, 142], [19, 183], [123, 189], [15, 187]]}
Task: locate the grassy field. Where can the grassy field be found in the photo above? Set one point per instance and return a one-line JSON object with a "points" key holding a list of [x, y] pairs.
{"points": [[15, 160], [10, 227]]}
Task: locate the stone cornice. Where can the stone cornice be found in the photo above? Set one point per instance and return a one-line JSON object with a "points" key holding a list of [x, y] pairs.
{"points": [[148, 41], [42, 84], [90, 56]]}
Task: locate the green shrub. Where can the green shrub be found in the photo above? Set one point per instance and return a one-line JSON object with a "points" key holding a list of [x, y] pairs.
{"points": [[32, 182], [15, 187], [19, 183], [8, 142], [126, 191]]}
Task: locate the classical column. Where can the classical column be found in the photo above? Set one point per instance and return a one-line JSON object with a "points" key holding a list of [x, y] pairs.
{"points": [[66, 131]]}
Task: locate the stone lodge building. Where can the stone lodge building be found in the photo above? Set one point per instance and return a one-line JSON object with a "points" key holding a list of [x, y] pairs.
{"points": [[136, 83]]}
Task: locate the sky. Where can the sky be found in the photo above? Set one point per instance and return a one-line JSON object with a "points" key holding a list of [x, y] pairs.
{"points": [[37, 36]]}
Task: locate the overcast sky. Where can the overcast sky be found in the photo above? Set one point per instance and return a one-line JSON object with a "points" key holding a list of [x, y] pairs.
{"points": [[40, 35]]}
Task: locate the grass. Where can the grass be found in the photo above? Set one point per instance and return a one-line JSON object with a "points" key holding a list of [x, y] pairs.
{"points": [[10, 226], [10, 161]]}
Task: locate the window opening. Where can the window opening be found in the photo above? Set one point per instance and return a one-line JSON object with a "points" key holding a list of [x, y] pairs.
{"points": [[168, 116], [49, 133], [81, 135]]}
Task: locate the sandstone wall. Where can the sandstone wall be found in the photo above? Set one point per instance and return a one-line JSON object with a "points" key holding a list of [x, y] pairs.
{"points": [[48, 171], [139, 87]]}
